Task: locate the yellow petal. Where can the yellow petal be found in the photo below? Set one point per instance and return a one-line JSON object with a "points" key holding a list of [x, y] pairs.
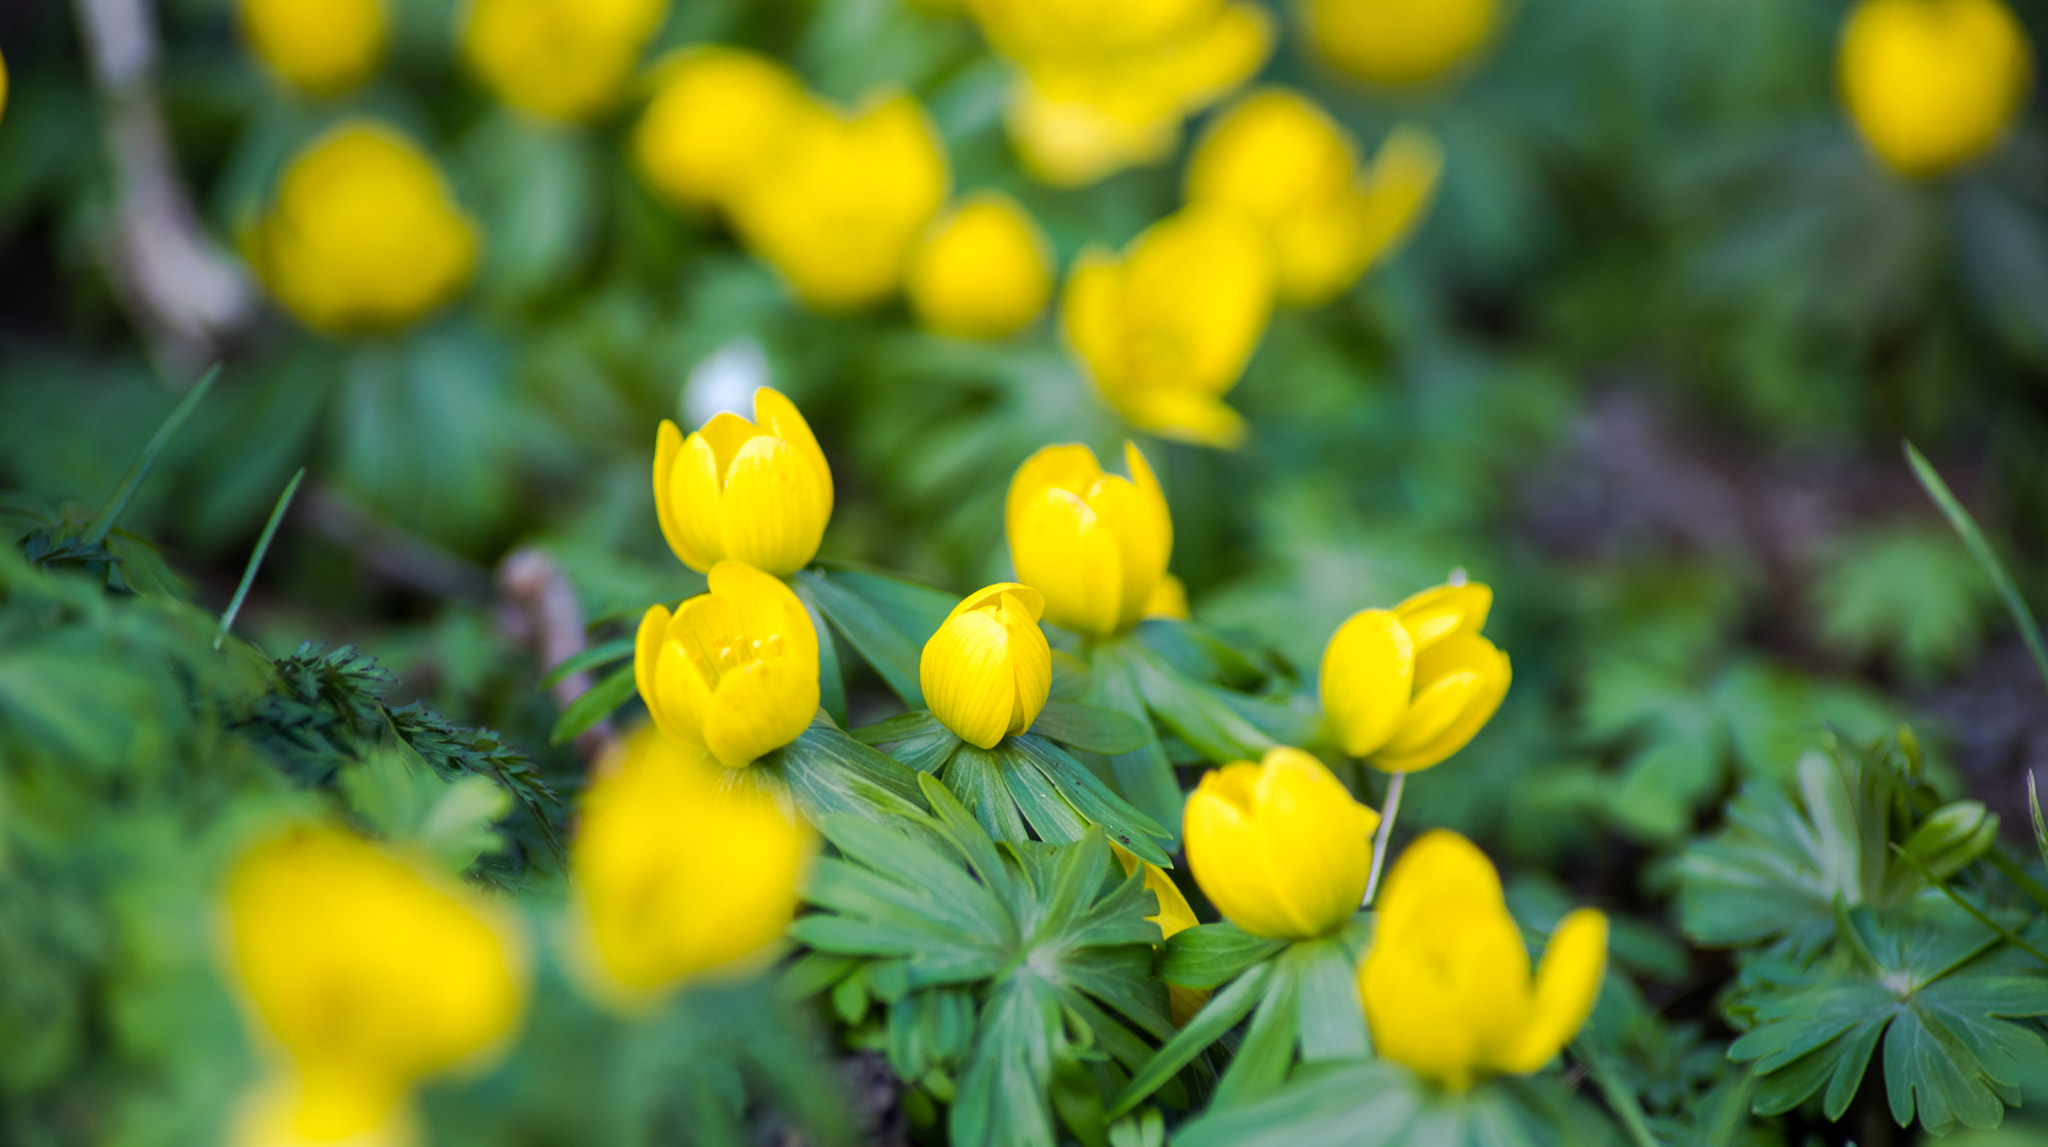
{"points": [[1400, 43], [771, 517], [693, 522], [1030, 656], [1368, 674], [715, 121], [779, 416], [761, 707], [1062, 550], [1184, 416], [1280, 848], [967, 677], [647, 643], [1228, 861], [1091, 317], [1933, 85], [983, 272], [1567, 986], [767, 609], [681, 696], [1169, 599], [1071, 467], [1461, 653], [1434, 614]]}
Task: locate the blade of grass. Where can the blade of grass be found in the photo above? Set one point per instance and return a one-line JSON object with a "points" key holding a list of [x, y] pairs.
{"points": [[116, 503], [1979, 548], [2040, 826], [1621, 1099], [284, 502]]}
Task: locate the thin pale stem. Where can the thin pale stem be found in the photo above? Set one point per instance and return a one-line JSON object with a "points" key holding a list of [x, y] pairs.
{"points": [[1385, 834], [2004, 933]]}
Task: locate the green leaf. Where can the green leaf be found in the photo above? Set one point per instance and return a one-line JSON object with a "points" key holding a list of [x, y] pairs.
{"points": [[1089, 796], [1194, 712], [124, 491], [284, 502], [917, 738], [830, 772], [1203, 1029], [590, 658], [595, 705], [1262, 1060], [879, 643], [1208, 955], [1904, 591], [1145, 775], [975, 775], [1376, 1103], [831, 675], [1090, 728], [1973, 538], [1332, 1021]]}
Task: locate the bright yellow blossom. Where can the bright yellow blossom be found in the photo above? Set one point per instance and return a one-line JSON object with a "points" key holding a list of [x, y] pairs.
{"points": [[1094, 544], [733, 672], [1174, 917], [1405, 688], [324, 47], [558, 59], [714, 122], [1165, 330], [757, 492], [1446, 986], [983, 271], [988, 670], [1280, 847], [1400, 43], [364, 235], [1933, 84]]}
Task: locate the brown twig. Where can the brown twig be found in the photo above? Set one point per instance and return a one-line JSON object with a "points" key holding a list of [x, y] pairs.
{"points": [[538, 606]]}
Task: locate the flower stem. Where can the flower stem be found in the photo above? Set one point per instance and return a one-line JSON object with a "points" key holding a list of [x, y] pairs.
{"points": [[1386, 833]]}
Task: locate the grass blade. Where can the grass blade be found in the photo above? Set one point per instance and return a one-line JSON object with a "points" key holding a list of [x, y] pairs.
{"points": [[117, 502], [284, 502], [1979, 548]]}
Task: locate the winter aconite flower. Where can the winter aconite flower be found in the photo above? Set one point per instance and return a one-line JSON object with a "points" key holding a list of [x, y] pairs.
{"points": [[983, 271], [988, 670], [732, 672], [757, 492], [712, 124], [1094, 544], [1933, 84], [1166, 328], [1446, 985], [1287, 165], [366, 974], [1279, 847], [1400, 43], [558, 59], [1406, 687], [323, 47], [363, 235]]}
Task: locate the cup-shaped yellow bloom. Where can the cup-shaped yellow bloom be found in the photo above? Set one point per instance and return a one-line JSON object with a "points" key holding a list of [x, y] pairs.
{"points": [[1404, 688], [1174, 917], [1280, 847], [558, 59], [1400, 43], [733, 672], [1446, 985], [1094, 544], [714, 123], [983, 271], [364, 235], [323, 47], [1933, 84], [1165, 329], [756, 492], [679, 873], [988, 670]]}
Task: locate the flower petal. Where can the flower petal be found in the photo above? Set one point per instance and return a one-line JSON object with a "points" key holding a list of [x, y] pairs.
{"points": [[771, 516], [1462, 652], [692, 523], [1368, 674], [1070, 466], [1062, 550], [967, 680], [761, 707], [779, 416], [1567, 985], [1434, 614]]}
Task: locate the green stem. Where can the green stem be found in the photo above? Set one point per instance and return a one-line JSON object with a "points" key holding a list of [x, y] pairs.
{"points": [[1620, 1099], [110, 512], [1973, 538], [1386, 833], [2004, 933], [284, 501]]}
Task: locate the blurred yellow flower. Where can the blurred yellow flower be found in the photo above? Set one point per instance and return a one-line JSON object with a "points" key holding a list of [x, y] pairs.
{"points": [[677, 872], [988, 670], [758, 492], [1933, 84], [1174, 917], [559, 59], [1405, 688], [1287, 165], [1400, 43], [3, 86], [364, 235], [1446, 985], [1094, 544], [324, 47], [714, 122], [733, 672], [1165, 330], [983, 271], [1034, 29], [1169, 599], [1280, 847]]}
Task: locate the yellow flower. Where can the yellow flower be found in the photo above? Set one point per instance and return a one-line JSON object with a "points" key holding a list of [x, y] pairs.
{"points": [[559, 59], [988, 670], [678, 873], [844, 198], [1933, 84], [1094, 544], [1287, 165], [324, 47], [1280, 847], [733, 672], [714, 122], [1405, 688], [364, 235], [1400, 43], [3, 85], [1446, 985], [1033, 29], [757, 492], [1169, 599], [1173, 918], [1165, 330], [983, 272]]}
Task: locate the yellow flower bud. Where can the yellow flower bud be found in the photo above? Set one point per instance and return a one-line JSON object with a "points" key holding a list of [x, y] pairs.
{"points": [[1280, 847], [364, 235], [1446, 986], [1166, 329], [715, 121], [1094, 544], [558, 59], [1933, 84], [1174, 917], [1400, 43], [988, 670], [324, 47], [733, 672], [757, 492], [1405, 688], [984, 271], [677, 873]]}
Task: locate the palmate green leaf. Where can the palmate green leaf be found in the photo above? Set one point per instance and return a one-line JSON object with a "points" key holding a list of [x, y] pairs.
{"points": [[1904, 591], [886, 649], [1032, 760], [829, 772], [1144, 775], [1372, 1103]]}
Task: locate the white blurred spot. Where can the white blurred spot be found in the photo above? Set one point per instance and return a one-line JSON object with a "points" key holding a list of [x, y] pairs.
{"points": [[725, 381]]}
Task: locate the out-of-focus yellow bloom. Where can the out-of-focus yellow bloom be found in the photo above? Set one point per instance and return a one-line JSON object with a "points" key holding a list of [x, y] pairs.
{"points": [[1173, 918], [1037, 29], [679, 873], [1280, 847], [3, 86], [1169, 599], [1406, 687], [1933, 84], [367, 974], [1400, 43], [321, 46], [1094, 544], [714, 123], [984, 270], [844, 198], [1446, 985], [560, 59], [1166, 329], [1281, 160], [364, 235], [988, 670], [733, 672], [757, 492]]}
